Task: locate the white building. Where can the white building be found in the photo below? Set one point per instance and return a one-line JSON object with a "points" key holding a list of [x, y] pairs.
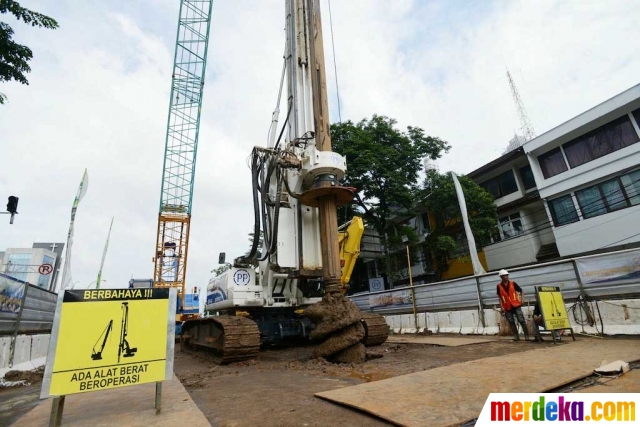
{"points": [[24, 263], [523, 234], [587, 172]]}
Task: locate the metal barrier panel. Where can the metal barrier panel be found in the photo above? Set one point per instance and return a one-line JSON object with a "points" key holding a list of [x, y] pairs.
{"points": [[560, 274], [32, 312], [451, 295], [11, 298], [39, 309], [611, 275]]}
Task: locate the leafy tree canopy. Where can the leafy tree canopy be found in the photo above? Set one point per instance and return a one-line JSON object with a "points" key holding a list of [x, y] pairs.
{"points": [[224, 267], [440, 197], [14, 57], [383, 163]]}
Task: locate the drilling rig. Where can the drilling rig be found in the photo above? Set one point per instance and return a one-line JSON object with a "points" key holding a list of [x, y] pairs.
{"points": [[273, 294]]}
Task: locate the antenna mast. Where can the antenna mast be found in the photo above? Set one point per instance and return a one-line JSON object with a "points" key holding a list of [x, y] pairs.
{"points": [[527, 127]]}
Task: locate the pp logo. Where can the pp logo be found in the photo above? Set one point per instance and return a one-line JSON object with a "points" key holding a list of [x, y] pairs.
{"points": [[335, 159], [376, 285], [241, 277]]}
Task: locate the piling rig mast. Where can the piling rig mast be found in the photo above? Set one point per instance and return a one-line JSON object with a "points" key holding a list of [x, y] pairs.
{"points": [[296, 189]]}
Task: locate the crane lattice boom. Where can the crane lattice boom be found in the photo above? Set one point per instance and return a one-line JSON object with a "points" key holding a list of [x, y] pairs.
{"points": [[181, 146]]}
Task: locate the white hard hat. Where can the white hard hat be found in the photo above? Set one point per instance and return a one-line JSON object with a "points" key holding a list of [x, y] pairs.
{"points": [[503, 273]]}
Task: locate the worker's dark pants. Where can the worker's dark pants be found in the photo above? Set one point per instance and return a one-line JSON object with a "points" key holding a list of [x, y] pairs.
{"points": [[517, 313], [536, 330]]}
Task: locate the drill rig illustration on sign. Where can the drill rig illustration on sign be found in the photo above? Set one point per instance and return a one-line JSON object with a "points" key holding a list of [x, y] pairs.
{"points": [[124, 349], [290, 178]]}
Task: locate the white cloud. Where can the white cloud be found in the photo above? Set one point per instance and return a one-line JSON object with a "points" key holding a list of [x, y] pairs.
{"points": [[98, 99]]}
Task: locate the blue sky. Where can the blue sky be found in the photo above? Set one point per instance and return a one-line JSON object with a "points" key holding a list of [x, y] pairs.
{"points": [[98, 99]]}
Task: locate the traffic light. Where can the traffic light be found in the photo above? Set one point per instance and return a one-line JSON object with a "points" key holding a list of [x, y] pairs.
{"points": [[12, 206]]}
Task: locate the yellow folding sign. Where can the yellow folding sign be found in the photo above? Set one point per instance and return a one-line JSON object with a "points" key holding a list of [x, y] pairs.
{"points": [[110, 338]]}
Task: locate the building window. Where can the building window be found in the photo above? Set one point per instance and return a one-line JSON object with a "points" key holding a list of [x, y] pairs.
{"points": [[462, 247], [613, 195], [510, 226], [636, 115], [18, 266], [631, 183], [599, 142], [563, 211], [577, 152], [604, 140], [591, 203], [552, 163], [527, 177], [43, 281], [502, 185], [605, 197], [426, 226]]}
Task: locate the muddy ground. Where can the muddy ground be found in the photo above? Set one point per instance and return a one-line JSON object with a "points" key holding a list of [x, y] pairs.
{"points": [[20, 399], [277, 388]]}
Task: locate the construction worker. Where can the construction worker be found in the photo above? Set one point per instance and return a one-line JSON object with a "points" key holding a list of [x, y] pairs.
{"points": [[511, 304], [537, 322]]}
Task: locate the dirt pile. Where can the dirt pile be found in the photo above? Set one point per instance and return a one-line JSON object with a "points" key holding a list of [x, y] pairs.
{"points": [[30, 377], [338, 330]]}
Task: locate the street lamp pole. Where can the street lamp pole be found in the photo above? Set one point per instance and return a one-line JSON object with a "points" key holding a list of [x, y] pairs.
{"points": [[405, 239]]}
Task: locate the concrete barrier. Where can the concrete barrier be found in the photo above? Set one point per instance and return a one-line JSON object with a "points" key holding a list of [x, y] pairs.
{"points": [[30, 352], [5, 351], [612, 317]]}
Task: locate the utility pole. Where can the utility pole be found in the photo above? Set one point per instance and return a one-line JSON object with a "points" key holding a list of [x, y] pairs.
{"points": [[327, 185]]}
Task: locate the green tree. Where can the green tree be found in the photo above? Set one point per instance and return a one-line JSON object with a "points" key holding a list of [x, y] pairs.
{"points": [[383, 164], [224, 267], [440, 197], [14, 57]]}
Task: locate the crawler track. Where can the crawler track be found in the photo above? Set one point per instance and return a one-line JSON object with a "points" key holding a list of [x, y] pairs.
{"points": [[376, 329], [232, 338]]}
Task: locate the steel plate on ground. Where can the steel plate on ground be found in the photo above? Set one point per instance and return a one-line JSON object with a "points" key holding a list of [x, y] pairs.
{"points": [[454, 394], [436, 340]]}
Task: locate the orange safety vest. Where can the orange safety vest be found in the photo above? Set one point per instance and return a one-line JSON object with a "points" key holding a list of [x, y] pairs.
{"points": [[509, 298]]}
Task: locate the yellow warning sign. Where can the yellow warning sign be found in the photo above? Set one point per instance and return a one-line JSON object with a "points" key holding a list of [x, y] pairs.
{"points": [[553, 309], [110, 338]]}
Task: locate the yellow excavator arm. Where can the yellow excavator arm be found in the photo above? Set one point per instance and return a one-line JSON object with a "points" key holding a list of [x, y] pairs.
{"points": [[349, 241]]}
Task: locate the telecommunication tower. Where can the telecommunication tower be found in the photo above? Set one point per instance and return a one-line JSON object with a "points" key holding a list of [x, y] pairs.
{"points": [[527, 127]]}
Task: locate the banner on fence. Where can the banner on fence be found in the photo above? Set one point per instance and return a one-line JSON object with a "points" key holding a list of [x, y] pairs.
{"points": [[11, 293], [391, 299], [613, 267]]}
